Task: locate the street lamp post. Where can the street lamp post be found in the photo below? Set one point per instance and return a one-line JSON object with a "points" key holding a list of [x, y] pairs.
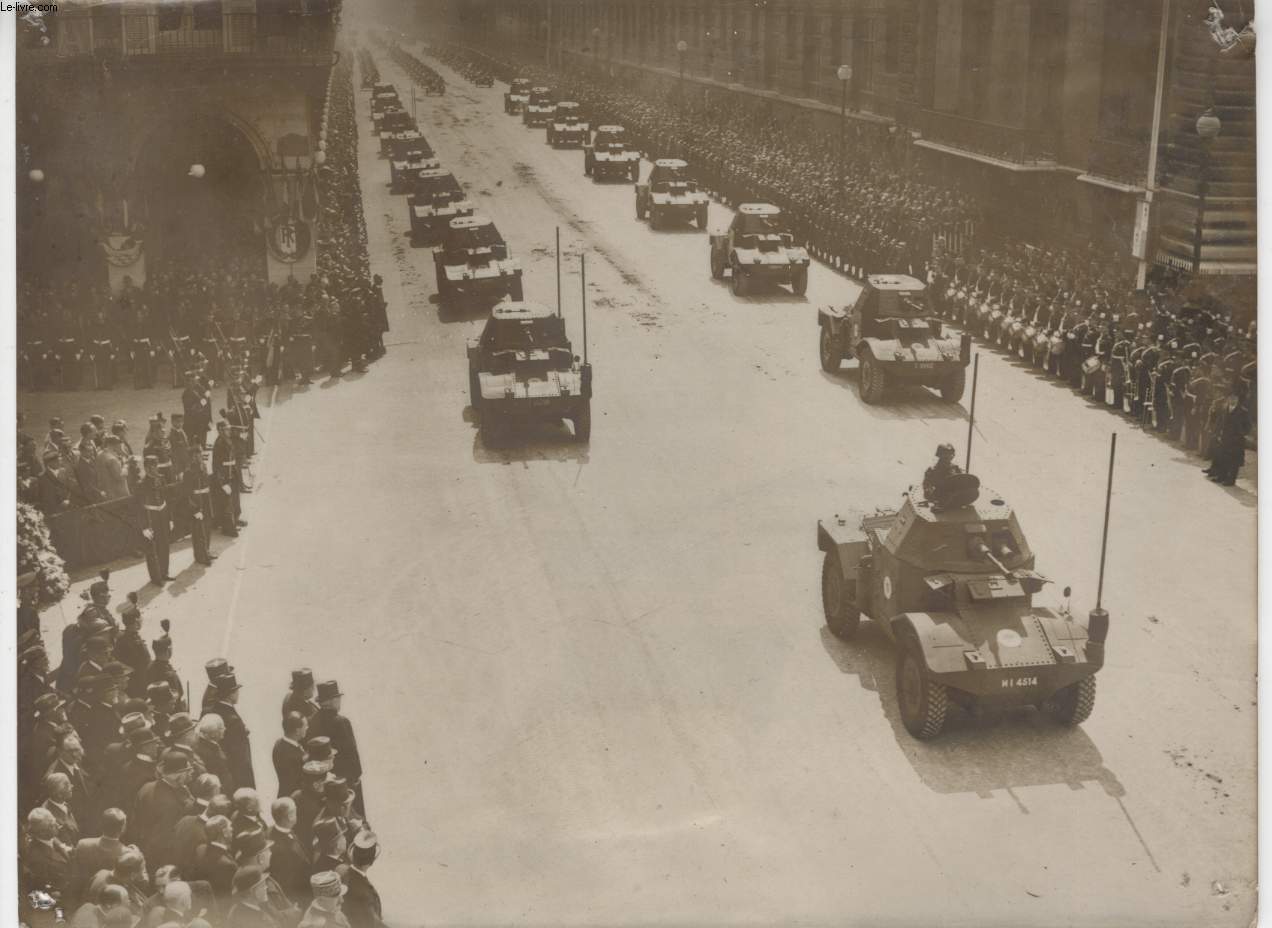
{"points": [[844, 73], [1208, 128], [681, 47]]}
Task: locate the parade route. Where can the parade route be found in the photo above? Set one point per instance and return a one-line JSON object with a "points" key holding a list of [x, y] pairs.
{"points": [[591, 683]]}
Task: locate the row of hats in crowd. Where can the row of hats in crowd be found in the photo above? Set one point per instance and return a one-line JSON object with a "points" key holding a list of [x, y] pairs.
{"points": [[141, 808]]}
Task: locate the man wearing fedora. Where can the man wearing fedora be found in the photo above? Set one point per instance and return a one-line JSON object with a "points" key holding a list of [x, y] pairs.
{"points": [[237, 745], [362, 901], [328, 722], [160, 805], [251, 906], [325, 911]]}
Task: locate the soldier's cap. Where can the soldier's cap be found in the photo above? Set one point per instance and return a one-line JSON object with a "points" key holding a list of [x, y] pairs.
{"points": [[327, 883], [131, 722], [227, 683], [174, 762], [315, 769], [366, 844], [302, 677], [102, 585], [217, 667], [248, 878], [159, 692], [328, 689]]}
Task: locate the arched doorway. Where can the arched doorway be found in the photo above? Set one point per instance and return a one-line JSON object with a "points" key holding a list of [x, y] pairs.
{"points": [[210, 222]]}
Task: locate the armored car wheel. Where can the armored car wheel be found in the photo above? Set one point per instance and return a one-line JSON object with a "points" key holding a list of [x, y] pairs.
{"points": [[1073, 704], [829, 350], [655, 218], [799, 281], [474, 391], [640, 214], [839, 599], [952, 387], [583, 423], [923, 702], [739, 281], [873, 380], [587, 167], [717, 266]]}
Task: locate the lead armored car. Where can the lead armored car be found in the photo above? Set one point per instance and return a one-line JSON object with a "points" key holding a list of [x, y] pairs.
{"points": [[566, 128], [759, 249], [436, 200], [473, 265], [607, 154], [522, 369], [896, 337], [670, 194], [398, 143], [539, 107], [518, 95], [405, 169], [950, 581]]}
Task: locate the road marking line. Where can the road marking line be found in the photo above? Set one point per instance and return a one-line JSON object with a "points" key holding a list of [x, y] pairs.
{"points": [[238, 580]]}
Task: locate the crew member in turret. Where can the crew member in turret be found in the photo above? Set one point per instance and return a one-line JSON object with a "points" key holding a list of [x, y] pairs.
{"points": [[936, 475]]}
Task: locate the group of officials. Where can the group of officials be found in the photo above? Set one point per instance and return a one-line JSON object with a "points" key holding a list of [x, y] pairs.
{"points": [[1179, 366], [142, 808]]}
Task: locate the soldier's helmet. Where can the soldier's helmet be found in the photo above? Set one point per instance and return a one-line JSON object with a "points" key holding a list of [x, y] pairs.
{"points": [[945, 452]]}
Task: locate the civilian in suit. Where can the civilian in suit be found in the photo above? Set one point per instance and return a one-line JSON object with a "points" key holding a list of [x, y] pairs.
{"points": [[289, 753], [46, 861], [362, 901], [161, 804], [57, 787], [207, 745], [94, 854], [214, 862], [289, 859], [236, 742], [328, 722]]}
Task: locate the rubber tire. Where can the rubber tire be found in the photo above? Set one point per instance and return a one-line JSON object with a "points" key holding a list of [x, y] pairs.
{"points": [[1073, 704], [640, 212], [474, 391], [953, 386], [799, 281], [829, 351], [717, 266], [873, 381], [587, 167], [843, 617], [583, 423], [702, 218], [738, 282], [655, 219], [925, 720]]}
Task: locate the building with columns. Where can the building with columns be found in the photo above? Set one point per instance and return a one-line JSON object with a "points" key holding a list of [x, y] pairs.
{"points": [[1045, 107]]}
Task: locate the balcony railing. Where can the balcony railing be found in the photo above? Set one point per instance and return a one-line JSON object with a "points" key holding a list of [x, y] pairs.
{"points": [[109, 33], [1006, 143]]}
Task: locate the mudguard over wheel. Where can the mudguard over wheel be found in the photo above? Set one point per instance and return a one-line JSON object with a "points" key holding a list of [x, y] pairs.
{"points": [[873, 380], [923, 702], [717, 265], [828, 348], [953, 386], [739, 282], [839, 599], [799, 281], [583, 423], [1073, 704]]}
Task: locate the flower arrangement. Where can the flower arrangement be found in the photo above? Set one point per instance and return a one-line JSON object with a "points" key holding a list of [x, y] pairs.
{"points": [[37, 555]]}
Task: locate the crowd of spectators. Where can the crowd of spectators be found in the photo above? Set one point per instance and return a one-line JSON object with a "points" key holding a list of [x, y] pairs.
{"points": [[141, 806]]}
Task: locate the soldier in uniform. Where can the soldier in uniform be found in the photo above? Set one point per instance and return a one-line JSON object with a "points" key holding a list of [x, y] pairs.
{"points": [[156, 532], [195, 494], [131, 649], [198, 410], [1179, 379], [934, 477], [162, 671], [225, 500], [1161, 390], [1196, 399]]}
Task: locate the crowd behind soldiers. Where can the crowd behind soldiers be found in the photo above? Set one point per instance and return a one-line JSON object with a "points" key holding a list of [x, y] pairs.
{"points": [[867, 211], [142, 808], [1180, 367]]}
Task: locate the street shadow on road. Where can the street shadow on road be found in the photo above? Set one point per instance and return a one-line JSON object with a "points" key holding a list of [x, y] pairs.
{"points": [[902, 401], [537, 442], [1001, 750], [775, 295]]}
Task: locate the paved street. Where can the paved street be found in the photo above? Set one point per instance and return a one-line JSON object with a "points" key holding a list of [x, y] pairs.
{"points": [[592, 683]]}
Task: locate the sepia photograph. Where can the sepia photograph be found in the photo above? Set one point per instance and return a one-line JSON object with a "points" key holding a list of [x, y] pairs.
{"points": [[634, 463]]}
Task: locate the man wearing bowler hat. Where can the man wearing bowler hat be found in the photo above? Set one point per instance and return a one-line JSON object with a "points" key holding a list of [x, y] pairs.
{"points": [[328, 722], [237, 745], [160, 805]]}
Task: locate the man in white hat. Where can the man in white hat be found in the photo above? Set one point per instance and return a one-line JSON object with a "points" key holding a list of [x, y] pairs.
{"points": [[326, 909]]}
